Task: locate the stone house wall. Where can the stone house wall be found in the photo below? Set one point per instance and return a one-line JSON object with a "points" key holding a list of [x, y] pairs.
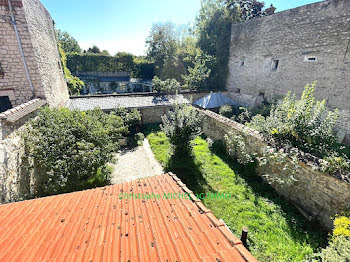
{"points": [[36, 31], [318, 196], [16, 183], [311, 42]]}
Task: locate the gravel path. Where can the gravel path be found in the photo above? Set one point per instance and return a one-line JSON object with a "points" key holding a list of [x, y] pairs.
{"points": [[135, 164]]}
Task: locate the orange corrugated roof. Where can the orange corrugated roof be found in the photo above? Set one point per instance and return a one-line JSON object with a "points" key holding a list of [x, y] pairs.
{"points": [[95, 225]]}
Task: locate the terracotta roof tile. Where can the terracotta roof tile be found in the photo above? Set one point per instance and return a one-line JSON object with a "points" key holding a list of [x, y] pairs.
{"points": [[96, 225]]}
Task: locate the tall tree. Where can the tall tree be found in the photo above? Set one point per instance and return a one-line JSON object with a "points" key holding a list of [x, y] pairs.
{"points": [[94, 49], [69, 44], [161, 45], [213, 29]]}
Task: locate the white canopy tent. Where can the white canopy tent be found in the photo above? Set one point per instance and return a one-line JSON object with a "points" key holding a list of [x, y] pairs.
{"points": [[214, 100]]}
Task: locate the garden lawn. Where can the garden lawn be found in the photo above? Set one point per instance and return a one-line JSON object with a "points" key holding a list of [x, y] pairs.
{"points": [[277, 232]]}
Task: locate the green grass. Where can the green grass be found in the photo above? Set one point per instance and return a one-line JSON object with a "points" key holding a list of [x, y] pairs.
{"points": [[277, 232]]}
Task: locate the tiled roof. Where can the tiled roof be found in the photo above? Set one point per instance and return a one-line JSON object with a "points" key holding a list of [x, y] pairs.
{"points": [[95, 225], [108, 102], [16, 113]]}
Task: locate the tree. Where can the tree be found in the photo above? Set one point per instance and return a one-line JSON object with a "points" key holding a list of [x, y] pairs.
{"points": [[168, 86], [105, 52], [94, 49], [69, 44], [197, 76], [161, 45], [213, 30]]}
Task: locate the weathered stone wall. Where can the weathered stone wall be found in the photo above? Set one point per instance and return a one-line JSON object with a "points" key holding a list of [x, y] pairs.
{"points": [[318, 196], [39, 45], [151, 115], [14, 83], [15, 181], [43, 37], [311, 43]]}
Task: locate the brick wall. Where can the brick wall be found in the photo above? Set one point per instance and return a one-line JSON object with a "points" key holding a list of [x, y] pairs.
{"points": [[318, 196], [319, 31], [14, 82], [35, 27]]}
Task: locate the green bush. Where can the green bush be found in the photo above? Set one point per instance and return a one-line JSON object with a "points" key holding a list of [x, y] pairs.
{"points": [[181, 126], [70, 149], [304, 123], [167, 86], [139, 137], [131, 119], [339, 246], [236, 148], [226, 111]]}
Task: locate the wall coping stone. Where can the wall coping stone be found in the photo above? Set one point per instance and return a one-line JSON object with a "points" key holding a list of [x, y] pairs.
{"points": [[256, 134], [14, 114]]}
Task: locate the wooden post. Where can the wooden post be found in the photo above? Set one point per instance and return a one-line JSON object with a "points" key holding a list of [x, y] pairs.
{"points": [[244, 236]]}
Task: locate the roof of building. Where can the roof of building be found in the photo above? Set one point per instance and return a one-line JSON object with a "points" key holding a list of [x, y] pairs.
{"points": [[96, 225], [109, 102], [16, 113], [214, 100]]}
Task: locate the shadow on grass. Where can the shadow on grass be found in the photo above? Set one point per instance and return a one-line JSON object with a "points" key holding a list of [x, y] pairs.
{"points": [[150, 128], [300, 228], [189, 172]]}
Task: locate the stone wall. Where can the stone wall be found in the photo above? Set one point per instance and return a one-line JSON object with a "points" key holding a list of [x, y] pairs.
{"points": [[14, 83], [318, 196], [16, 182], [43, 37], [40, 50], [310, 43], [151, 115]]}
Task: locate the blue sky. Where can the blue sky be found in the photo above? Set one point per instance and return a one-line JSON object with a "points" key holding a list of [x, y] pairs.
{"points": [[123, 25]]}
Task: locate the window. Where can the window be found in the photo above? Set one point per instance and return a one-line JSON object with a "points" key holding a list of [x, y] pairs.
{"points": [[310, 59], [2, 73], [5, 103], [238, 91], [275, 64], [262, 93], [241, 62]]}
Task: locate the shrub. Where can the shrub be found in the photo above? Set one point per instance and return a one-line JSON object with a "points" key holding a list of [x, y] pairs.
{"points": [[131, 118], [305, 123], [70, 149], [167, 86], [338, 250], [236, 147], [341, 226], [139, 137], [181, 126], [339, 246], [243, 117], [226, 111]]}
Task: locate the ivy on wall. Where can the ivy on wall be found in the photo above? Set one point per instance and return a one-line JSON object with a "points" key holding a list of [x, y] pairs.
{"points": [[88, 62]]}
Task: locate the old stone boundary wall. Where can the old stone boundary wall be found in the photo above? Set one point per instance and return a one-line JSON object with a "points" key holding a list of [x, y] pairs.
{"points": [[272, 55], [318, 196], [16, 182]]}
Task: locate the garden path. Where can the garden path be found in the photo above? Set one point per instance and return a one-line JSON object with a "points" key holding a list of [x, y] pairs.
{"points": [[135, 163]]}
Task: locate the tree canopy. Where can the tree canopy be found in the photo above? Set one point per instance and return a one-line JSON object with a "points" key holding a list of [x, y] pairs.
{"points": [[69, 44]]}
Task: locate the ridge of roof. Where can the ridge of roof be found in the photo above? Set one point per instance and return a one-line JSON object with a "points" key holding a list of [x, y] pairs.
{"points": [[231, 238]]}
